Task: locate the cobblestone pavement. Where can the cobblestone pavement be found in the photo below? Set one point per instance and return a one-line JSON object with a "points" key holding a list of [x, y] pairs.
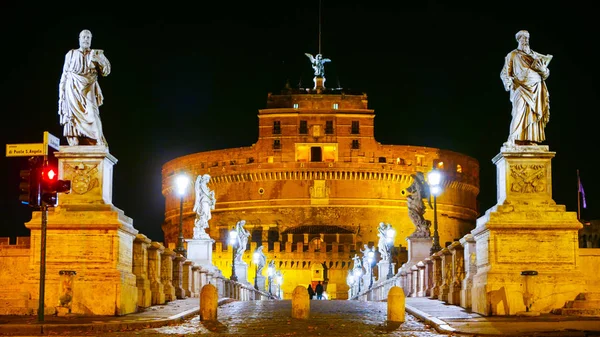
{"points": [[273, 318]]}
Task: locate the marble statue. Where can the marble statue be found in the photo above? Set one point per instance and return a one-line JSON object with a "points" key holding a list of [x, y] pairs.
{"points": [[365, 258], [318, 64], [205, 202], [262, 260], [357, 262], [523, 75], [418, 190], [383, 245], [242, 237], [79, 95]]}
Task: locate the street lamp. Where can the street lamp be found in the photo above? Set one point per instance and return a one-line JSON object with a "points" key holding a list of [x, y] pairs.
{"points": [[256, 258], [434, 179], [371, 260], [182, 181], [389, 240], [270, 273], [232, 241]]}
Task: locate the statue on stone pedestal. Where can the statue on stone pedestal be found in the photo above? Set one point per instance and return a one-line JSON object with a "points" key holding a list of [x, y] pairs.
{"points": [[205, 202], [523, 75], [262, 260], [79, 95], [242, 236], [419, 190], [357, 262], [382, 246]]}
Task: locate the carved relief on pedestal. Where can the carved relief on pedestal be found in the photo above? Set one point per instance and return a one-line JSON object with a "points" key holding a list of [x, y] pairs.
{"points": [[83, 177], [528, 178]]}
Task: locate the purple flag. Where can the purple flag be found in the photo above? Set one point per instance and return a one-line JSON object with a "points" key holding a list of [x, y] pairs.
{"points": [[581, 191]]}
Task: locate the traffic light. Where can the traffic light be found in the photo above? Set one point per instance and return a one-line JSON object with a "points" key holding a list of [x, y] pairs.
{"points": [[51, 185], [25, 186], [29, 184]]}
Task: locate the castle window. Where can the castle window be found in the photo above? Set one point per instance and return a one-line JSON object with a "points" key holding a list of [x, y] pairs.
{"points": [[458, 169], [440, 165], [355, 128], [303, 127], [328, 127], [276, 144], [295, 105], [276, 127], [382, 160], [250, 160], [335, 106], [316, 154], [355, 144]]}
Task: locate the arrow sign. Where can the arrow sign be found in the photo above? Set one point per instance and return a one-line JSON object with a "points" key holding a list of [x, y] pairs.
{"points": [[52, 141]]}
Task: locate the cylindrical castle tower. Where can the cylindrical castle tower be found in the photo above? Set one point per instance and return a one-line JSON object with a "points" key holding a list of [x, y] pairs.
{"points": [[316, 184]]}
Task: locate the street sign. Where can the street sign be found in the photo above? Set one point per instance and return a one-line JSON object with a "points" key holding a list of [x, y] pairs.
{"points": [[25, 150], [51, 140]]}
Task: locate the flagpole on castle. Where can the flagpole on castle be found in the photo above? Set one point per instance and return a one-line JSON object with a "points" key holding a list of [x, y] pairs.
{"points": [[578, 196]]}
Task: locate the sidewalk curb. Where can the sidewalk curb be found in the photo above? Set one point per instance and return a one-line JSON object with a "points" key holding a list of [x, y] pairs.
{"points": [[125, 325], [439, 325]]}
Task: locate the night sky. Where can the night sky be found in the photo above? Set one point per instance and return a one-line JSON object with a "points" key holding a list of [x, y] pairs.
{"points": [[186, 80]]}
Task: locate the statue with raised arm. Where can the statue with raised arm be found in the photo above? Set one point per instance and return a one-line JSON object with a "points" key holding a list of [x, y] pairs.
{"points": [[242, 236], [368, 259], [382, 245], [318, 64], [523, 75], [79, 95], [419, 190], [262, 260], [204, 203]]}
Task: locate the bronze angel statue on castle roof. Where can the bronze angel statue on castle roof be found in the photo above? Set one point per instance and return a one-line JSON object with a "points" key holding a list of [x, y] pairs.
{"points": [[318, 64]]}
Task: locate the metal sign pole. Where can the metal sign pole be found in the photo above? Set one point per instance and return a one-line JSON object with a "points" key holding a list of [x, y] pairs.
{"points": [[44, 210]]}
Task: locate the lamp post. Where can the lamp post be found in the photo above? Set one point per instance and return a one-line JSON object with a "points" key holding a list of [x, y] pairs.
{"points": [[371, 260], [182, 182], [232, 241], [256, 259], [434, 179], [389, 235], [270, 273]]}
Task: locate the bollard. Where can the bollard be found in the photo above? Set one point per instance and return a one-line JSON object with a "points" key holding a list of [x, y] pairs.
{"points": [[396, 305], [300, 303], [209, 300]]}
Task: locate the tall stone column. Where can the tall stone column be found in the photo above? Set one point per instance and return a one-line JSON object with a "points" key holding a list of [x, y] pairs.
{"points": [[166, 274], [140, 269], [446, 274], [525, 231], [154, 270], [437, 275], [196, 280], [87, 234], [187, 284], [428, 276]]}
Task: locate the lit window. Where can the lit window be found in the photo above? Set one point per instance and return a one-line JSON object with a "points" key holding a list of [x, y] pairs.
{"points": [[295, 105], [458, 169], [440, 165], [335, 106]]}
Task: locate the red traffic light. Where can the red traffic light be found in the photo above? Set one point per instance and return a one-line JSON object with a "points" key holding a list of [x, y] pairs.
{"points": [[49, 174]]}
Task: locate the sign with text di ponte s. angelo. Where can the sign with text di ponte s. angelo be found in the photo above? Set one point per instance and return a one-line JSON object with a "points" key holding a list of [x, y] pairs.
{"points": [[25, 150]]}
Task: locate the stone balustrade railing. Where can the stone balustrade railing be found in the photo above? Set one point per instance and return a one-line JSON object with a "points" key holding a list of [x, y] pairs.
{"points": [[163, 275], [446, 275]]}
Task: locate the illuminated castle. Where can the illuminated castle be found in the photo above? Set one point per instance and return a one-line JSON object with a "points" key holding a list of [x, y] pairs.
{"points": [[315, 186]]}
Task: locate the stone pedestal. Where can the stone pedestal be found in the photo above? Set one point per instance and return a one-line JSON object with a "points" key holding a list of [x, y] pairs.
{"points": [[525, 230], [140, 270], [383, 269], [241, 271], [418, 250], [88, 235], [200, 252], [261, 283]]}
